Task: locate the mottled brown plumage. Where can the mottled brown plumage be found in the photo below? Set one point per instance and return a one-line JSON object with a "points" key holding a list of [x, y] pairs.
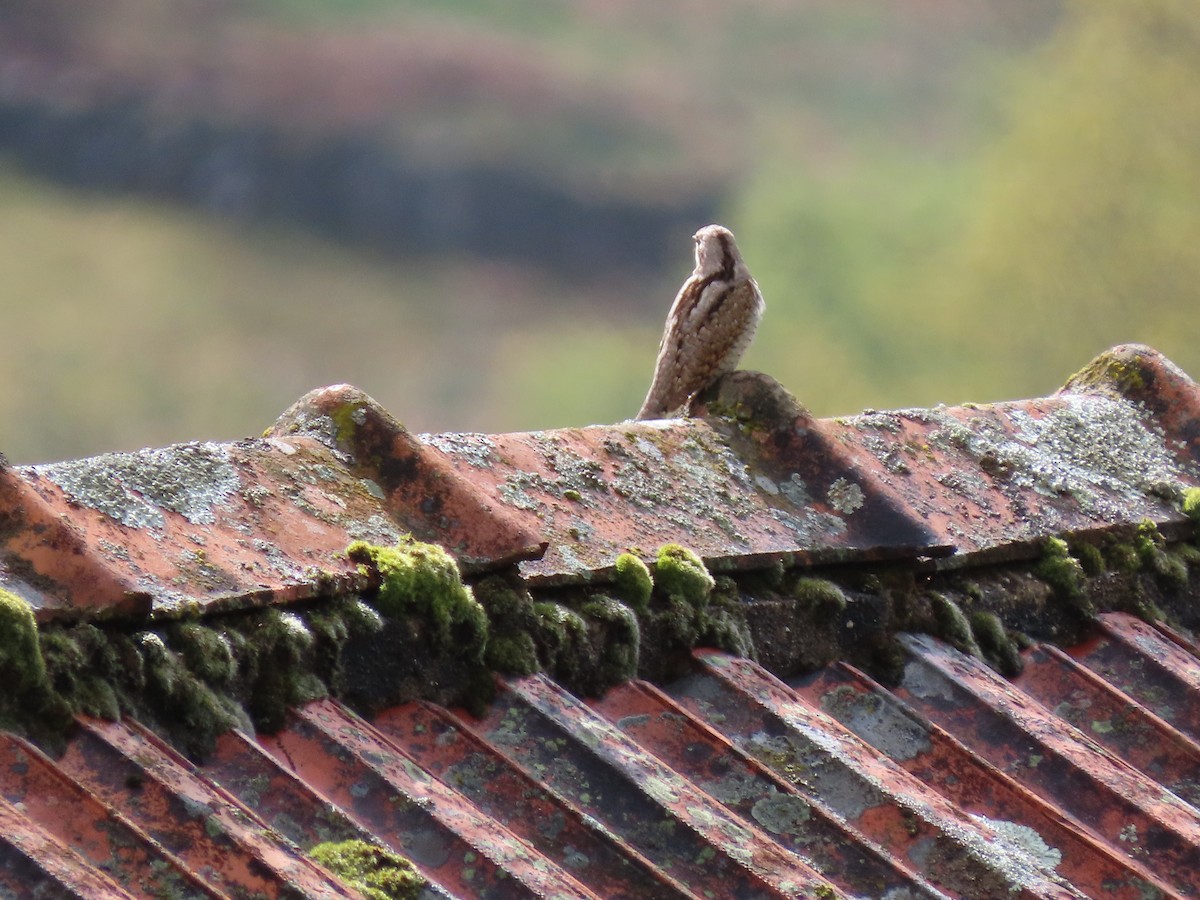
{"points": [[711, 323]]}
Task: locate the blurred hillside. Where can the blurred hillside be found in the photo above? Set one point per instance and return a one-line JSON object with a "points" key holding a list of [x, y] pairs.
{"points": [[479, 212]]}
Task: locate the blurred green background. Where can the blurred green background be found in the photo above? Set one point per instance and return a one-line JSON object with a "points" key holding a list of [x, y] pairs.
{"points": [[479, 212]]}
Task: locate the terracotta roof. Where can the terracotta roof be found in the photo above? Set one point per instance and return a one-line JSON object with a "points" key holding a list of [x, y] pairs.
{"points": [[958, 654]]}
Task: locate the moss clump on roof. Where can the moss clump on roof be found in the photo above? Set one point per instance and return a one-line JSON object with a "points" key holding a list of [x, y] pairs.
{"points": [[277, 665], [724, 623], [563, 637], [680, 574], [84, 668], [1063, 572], [1168, 569], [373, 871], [21, 663], [1091, 558], [1189, 504], [174, 698], [621, 647], [819, 599], [632, 582], [952, 625], [1120, 556], [510, 646], [993, 640], [422, 579]]}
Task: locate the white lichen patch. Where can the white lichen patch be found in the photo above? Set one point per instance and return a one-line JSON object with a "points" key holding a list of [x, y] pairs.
{"points": [[476, 450], [1097, 450], [135, 488], [1023, 840], [845, 496]]}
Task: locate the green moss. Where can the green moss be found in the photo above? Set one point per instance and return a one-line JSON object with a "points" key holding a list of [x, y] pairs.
{"points": [[680, 574], [622, 638], [206, 651], [1063, 572], [510, 646], [1190, 504], [952, 625], [82, 669], [1122, 557], [419, 579], [21, 664], [1169, 570], [514, 654], [1188, 554], [276, 663], [562, 635], [723, 625], [632, 582], [819, 599], [375, 872], [992, 639], [1109, 371], [1091, 560], [192, 713], [347, 417]]}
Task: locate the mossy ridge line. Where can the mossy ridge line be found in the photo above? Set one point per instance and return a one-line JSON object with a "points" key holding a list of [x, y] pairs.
{"points": [[421, 631]]}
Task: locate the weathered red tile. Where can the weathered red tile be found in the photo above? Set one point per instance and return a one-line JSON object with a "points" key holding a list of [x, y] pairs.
{"points": [[961, 855], [1124, 808], [582, 757], [386, 792], [219, 840], [766, 803], [79, 820], [430, 498], [933, 755], [1113, 720], [457, 756]]}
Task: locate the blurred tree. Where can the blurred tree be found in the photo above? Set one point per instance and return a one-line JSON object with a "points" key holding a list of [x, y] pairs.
{"points": [[1085, 230], [892, 283]]}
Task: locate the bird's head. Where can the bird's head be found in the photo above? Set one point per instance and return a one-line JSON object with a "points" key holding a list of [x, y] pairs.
{"points": [[715, 250]]}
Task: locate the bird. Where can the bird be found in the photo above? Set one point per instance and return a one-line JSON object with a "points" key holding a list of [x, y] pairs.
{"points": [[709, 327]]}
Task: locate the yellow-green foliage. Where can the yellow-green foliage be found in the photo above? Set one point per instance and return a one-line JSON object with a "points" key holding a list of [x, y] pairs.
{"points": [[21, 663], [632, 582], [680, 574], [1191, 504], [998, 648], [819, 598], [510, 646], [377, 873], [1168, 569], [419, 579], [622, 639], [952, 625], [1091, 559], [1059, 569]]}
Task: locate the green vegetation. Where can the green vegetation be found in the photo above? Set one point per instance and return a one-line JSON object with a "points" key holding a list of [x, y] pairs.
{"points": [[1051, 206], [1190, 504], [632, 582], [680, 575], [1063, 572], [422, 579], [21, 663], [1168, 568], [821, 600], [952, 625], [375, 872]]}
